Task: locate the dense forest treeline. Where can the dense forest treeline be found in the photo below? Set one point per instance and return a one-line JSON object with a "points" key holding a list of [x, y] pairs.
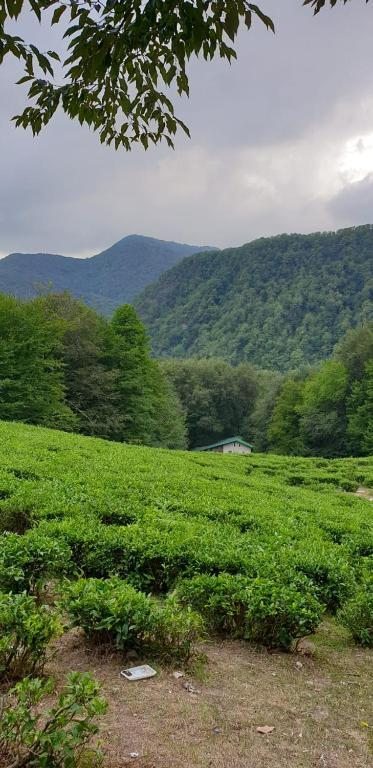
{"points": [[220, 400], [329, 411], [279, 302], [63, 365], [325, 410]]}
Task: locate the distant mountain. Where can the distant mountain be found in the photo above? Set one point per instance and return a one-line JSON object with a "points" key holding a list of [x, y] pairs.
{"points": [[104, 281], [279, 302]]}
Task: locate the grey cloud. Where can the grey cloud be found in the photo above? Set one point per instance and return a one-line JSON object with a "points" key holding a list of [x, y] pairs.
{"points": [[354, 203], [267, 133]]}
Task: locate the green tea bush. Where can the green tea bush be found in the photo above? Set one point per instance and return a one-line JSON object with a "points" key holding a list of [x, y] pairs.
{"points": [[360, 544], [57, 737], [278, 614], [25, 631], [28, 562], [175, 630], [222, 601], [328, 570], [155, 553], [357, 614], [112, 611]]}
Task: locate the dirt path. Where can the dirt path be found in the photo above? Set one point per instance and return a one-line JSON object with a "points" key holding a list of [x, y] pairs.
{"points": [[364, 493], [319, 707]]}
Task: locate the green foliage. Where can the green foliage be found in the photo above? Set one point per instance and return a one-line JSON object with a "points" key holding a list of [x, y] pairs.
{"points": [[355, 350], [53, 738], [283, 430], [168, 419], [323, 410], [221, 600], [112, 611], [206, 524], [360, 413], [31, 384], [122, 58], [28, 562], [280, 302], [330, 412], [217, 398], [63, 365], [89, 366], [273, 613], [176, 630], [134, 373], [329, 572], [357, 614], [25, 631], [278, 614], [317, 5]]}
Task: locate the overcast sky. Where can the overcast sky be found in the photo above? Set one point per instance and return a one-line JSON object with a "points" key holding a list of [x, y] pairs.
{"points": [[282, 141]]}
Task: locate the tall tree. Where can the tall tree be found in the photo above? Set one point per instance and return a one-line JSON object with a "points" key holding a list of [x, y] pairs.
{"points": [[360, 413], [168, 419], [136, 374], [356, 349], [89, 366], [283, 431], [268, 387], [31, 378], [323, 411]]}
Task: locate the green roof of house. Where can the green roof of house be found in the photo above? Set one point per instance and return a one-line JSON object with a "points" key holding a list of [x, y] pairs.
{"points": [[227, 441]]}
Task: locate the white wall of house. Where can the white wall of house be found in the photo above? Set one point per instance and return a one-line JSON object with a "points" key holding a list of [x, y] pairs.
{"points": [[235, 448]]}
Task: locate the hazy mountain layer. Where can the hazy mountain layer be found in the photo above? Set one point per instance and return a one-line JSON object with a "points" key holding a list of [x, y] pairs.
{"points": [[104, 281]]}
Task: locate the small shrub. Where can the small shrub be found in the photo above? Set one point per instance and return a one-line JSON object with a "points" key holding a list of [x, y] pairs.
{"points": [[28, 562], [279, 614], [220, 599], [349, 486], [25, 631], [357, 615], [56, 738], [112, 611], [360, 544], [176, 629], [295, 480], [109, 611], [330, 573], [23, 474]]}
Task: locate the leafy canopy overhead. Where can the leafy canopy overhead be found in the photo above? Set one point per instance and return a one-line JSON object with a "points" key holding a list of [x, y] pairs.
{"points": [[121, 57]]}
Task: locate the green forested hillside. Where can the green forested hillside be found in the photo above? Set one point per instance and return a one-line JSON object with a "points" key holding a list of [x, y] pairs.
{"points": [[278, 302], [104, 281]]}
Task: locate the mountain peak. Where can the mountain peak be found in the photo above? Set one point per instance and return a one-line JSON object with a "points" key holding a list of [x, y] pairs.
{"points": [[104, 281]]}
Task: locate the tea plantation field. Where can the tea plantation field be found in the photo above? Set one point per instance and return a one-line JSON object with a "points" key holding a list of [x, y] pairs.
{"points": [[155, 548]]}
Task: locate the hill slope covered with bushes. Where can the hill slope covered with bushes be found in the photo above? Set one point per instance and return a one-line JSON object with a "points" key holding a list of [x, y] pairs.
{"points": [[259, 547], [279, 302]]}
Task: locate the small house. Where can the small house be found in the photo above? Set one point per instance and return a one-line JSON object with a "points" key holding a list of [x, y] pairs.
{"points": [[229, 445]]}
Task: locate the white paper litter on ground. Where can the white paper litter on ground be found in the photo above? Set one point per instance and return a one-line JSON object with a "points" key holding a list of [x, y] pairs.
{"points": [[138, 673]]}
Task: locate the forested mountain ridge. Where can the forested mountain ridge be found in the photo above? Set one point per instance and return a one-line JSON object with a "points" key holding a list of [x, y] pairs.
{"points": [[104, 281], [279, 302]]}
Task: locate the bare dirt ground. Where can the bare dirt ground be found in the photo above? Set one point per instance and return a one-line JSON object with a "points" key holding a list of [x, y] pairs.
{"points": [[319, 706], [364, 493]]}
